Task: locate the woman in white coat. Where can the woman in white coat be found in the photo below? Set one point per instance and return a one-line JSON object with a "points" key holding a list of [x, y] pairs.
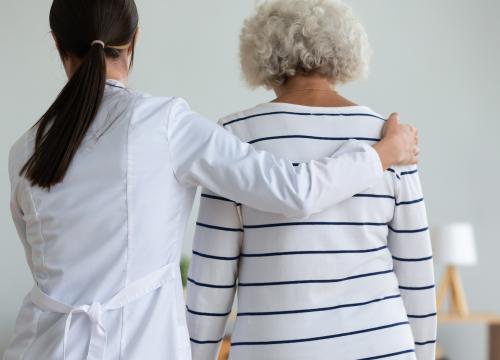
{"points": [[103, 184]]}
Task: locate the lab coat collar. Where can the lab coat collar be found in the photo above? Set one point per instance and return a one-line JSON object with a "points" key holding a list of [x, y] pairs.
{"points": [[115, 83]]}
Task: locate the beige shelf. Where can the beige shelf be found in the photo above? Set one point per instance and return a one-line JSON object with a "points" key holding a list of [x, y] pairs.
{"points": [[492, 321]]}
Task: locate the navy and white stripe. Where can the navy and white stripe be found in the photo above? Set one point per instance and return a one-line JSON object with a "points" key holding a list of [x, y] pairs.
{"points": [[358, 276]]}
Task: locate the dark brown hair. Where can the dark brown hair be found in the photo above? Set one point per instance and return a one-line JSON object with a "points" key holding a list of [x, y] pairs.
{"points": [[75, 25]]}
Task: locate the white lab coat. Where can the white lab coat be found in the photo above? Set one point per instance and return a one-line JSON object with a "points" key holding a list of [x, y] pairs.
{"points": [[104, 245]]}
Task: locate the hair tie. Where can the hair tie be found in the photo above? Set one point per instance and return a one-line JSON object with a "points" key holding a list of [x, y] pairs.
{"points": [[100, 42]]}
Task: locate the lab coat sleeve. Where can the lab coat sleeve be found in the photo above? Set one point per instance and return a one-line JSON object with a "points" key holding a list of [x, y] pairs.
{"points": [[410, 246], [203, 153], [213, 273], [16, 159]]}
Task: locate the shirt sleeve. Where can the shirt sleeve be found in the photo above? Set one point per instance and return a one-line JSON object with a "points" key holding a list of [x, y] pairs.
{"points": [[203, 153], [15, 165], [213, 273], [410, 246]]}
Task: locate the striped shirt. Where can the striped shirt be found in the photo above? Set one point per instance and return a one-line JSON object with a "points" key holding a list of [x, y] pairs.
{"points": [[353, 282]]}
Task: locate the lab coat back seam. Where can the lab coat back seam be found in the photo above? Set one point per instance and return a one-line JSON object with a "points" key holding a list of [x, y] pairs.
{"points": [[123, 332]]}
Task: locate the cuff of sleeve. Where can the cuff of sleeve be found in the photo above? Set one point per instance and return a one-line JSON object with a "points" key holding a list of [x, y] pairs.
{"points": [[377, 163], [377, 168]]}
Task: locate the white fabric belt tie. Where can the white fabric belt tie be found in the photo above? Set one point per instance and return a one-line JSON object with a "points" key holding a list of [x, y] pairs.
{"points": [[98, 334]]}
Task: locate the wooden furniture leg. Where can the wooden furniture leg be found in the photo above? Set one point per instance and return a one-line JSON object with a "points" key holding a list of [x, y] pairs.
{"points": [[444, 285], [451, 283], [458, 295]]}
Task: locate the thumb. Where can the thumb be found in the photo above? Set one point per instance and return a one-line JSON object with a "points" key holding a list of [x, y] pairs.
{"points": [[392, 122]]}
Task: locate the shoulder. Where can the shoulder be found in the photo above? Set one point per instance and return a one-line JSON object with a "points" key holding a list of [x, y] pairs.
{"points": [[230, 122], [368, 111], [242, 115], [173, 105], [361, 118], [139, 99], [186, 123], [173, 113], [163, 110], [147, 101], [277, 108]]}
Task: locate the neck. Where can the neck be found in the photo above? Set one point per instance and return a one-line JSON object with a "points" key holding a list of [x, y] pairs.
{"points": [[304, 82], [116, 69], [311, 90]]}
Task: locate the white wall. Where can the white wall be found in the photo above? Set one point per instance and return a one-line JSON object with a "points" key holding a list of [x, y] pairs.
{"points": [[435, 62]]}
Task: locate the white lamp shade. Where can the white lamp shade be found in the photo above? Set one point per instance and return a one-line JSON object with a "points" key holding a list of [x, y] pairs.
{"points": [[454, 244]]}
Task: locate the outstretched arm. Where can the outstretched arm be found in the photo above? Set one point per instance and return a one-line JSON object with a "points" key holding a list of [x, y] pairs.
{"points": [[205, 154]]}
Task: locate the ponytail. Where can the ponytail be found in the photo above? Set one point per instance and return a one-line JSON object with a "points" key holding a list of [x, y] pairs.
{"points": [[63, 127]]}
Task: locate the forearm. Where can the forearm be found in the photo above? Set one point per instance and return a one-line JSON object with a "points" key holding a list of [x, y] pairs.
{"points": [[212, 274], [410, 246], [418, 295]]}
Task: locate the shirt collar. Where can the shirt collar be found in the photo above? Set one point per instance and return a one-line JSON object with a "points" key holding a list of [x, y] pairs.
{"points": [[115, 83]]}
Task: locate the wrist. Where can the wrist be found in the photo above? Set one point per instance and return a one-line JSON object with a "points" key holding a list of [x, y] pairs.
{"points": [[385, 154]]}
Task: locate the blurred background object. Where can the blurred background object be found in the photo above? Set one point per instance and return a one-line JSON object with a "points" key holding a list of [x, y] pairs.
{"points": [[453, 245], [184, 269]]}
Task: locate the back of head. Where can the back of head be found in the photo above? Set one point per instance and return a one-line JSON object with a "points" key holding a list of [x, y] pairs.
{"points": [[289, 37], [89, 31]]}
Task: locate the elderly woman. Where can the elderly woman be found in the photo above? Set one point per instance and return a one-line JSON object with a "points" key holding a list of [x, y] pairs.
{"points": [[353, 282]]}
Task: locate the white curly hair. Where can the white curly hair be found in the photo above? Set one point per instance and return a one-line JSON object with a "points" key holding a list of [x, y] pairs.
{"points": [[289, 37]]}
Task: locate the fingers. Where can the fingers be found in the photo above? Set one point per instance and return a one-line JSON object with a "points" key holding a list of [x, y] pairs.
{"points": [[405, 138], [392, 124], [393, 120]]}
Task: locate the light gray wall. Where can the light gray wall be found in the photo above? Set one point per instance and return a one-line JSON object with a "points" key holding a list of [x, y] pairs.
{"points": [[435, 62]]}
